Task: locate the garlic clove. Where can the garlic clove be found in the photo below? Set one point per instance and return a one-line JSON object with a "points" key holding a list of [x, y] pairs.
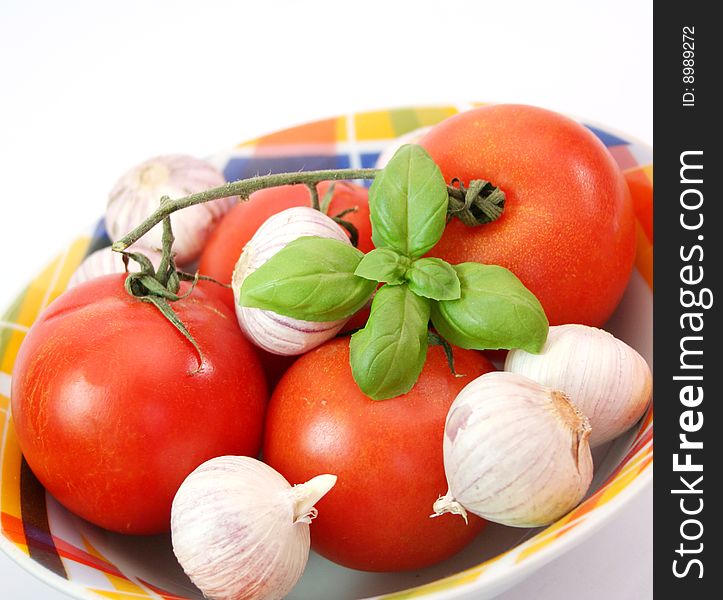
{"points": [[607, 379], [139, 191], [270, 331], [515, 452], [104, 262], [241, 531]]}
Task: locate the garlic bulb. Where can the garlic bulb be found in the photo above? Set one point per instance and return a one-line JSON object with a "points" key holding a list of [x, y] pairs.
{"points": [[605, 378], [515, 452], [273, 332], [104, 262], [240, 531], [138, 193], [411, 137]]}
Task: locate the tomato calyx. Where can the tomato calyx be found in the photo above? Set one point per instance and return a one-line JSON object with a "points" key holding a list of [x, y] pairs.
{"points": [[482, 202], [145, 287], [161, 286]]}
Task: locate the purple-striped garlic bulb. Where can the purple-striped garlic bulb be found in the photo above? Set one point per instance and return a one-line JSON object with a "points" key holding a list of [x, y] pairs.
{"points": [[139, 191], [241, 531], [271, 331], [104, 262], [515, 452], [603, 376]]}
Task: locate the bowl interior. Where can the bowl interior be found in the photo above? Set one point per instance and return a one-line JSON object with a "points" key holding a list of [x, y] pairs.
{"points": [[86, 561]]}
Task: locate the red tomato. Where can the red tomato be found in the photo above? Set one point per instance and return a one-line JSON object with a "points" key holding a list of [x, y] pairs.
{"points": [[109, 413], [241, 222], [568, 229], [387, 456]]}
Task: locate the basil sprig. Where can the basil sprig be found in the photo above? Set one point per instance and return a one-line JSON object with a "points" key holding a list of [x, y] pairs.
{"points": [[470, 305]]}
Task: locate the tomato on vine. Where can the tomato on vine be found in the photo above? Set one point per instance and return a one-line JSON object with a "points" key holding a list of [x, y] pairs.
{"points": [[113, 406], [568, 227]]}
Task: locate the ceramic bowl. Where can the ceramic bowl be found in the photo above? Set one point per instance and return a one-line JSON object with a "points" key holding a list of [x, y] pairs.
{"points": [[85, 561]]}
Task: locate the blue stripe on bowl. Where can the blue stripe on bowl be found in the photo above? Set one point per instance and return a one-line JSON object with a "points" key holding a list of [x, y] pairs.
{"points": [[242, 168], [607, 138]]}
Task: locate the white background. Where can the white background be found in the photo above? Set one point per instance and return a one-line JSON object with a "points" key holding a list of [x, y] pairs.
{"points": [[87, 89]]}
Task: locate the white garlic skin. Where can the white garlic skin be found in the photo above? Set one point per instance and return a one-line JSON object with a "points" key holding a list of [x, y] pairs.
{"points": [[515, 452], [276, 333], [603, 376], [139, 191], [104, 262], [240, 531]]}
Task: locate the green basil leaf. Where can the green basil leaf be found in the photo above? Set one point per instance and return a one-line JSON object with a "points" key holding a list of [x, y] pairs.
{"points": [[383, 264], [311, 278], [408, 203], [387, 356], [434, 278], [494, 311]]}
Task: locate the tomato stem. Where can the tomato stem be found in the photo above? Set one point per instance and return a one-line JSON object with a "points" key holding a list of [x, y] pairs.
{"points": [[482, 202], [242, 188], [475, 205], [314, 193], [167, 266]]}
